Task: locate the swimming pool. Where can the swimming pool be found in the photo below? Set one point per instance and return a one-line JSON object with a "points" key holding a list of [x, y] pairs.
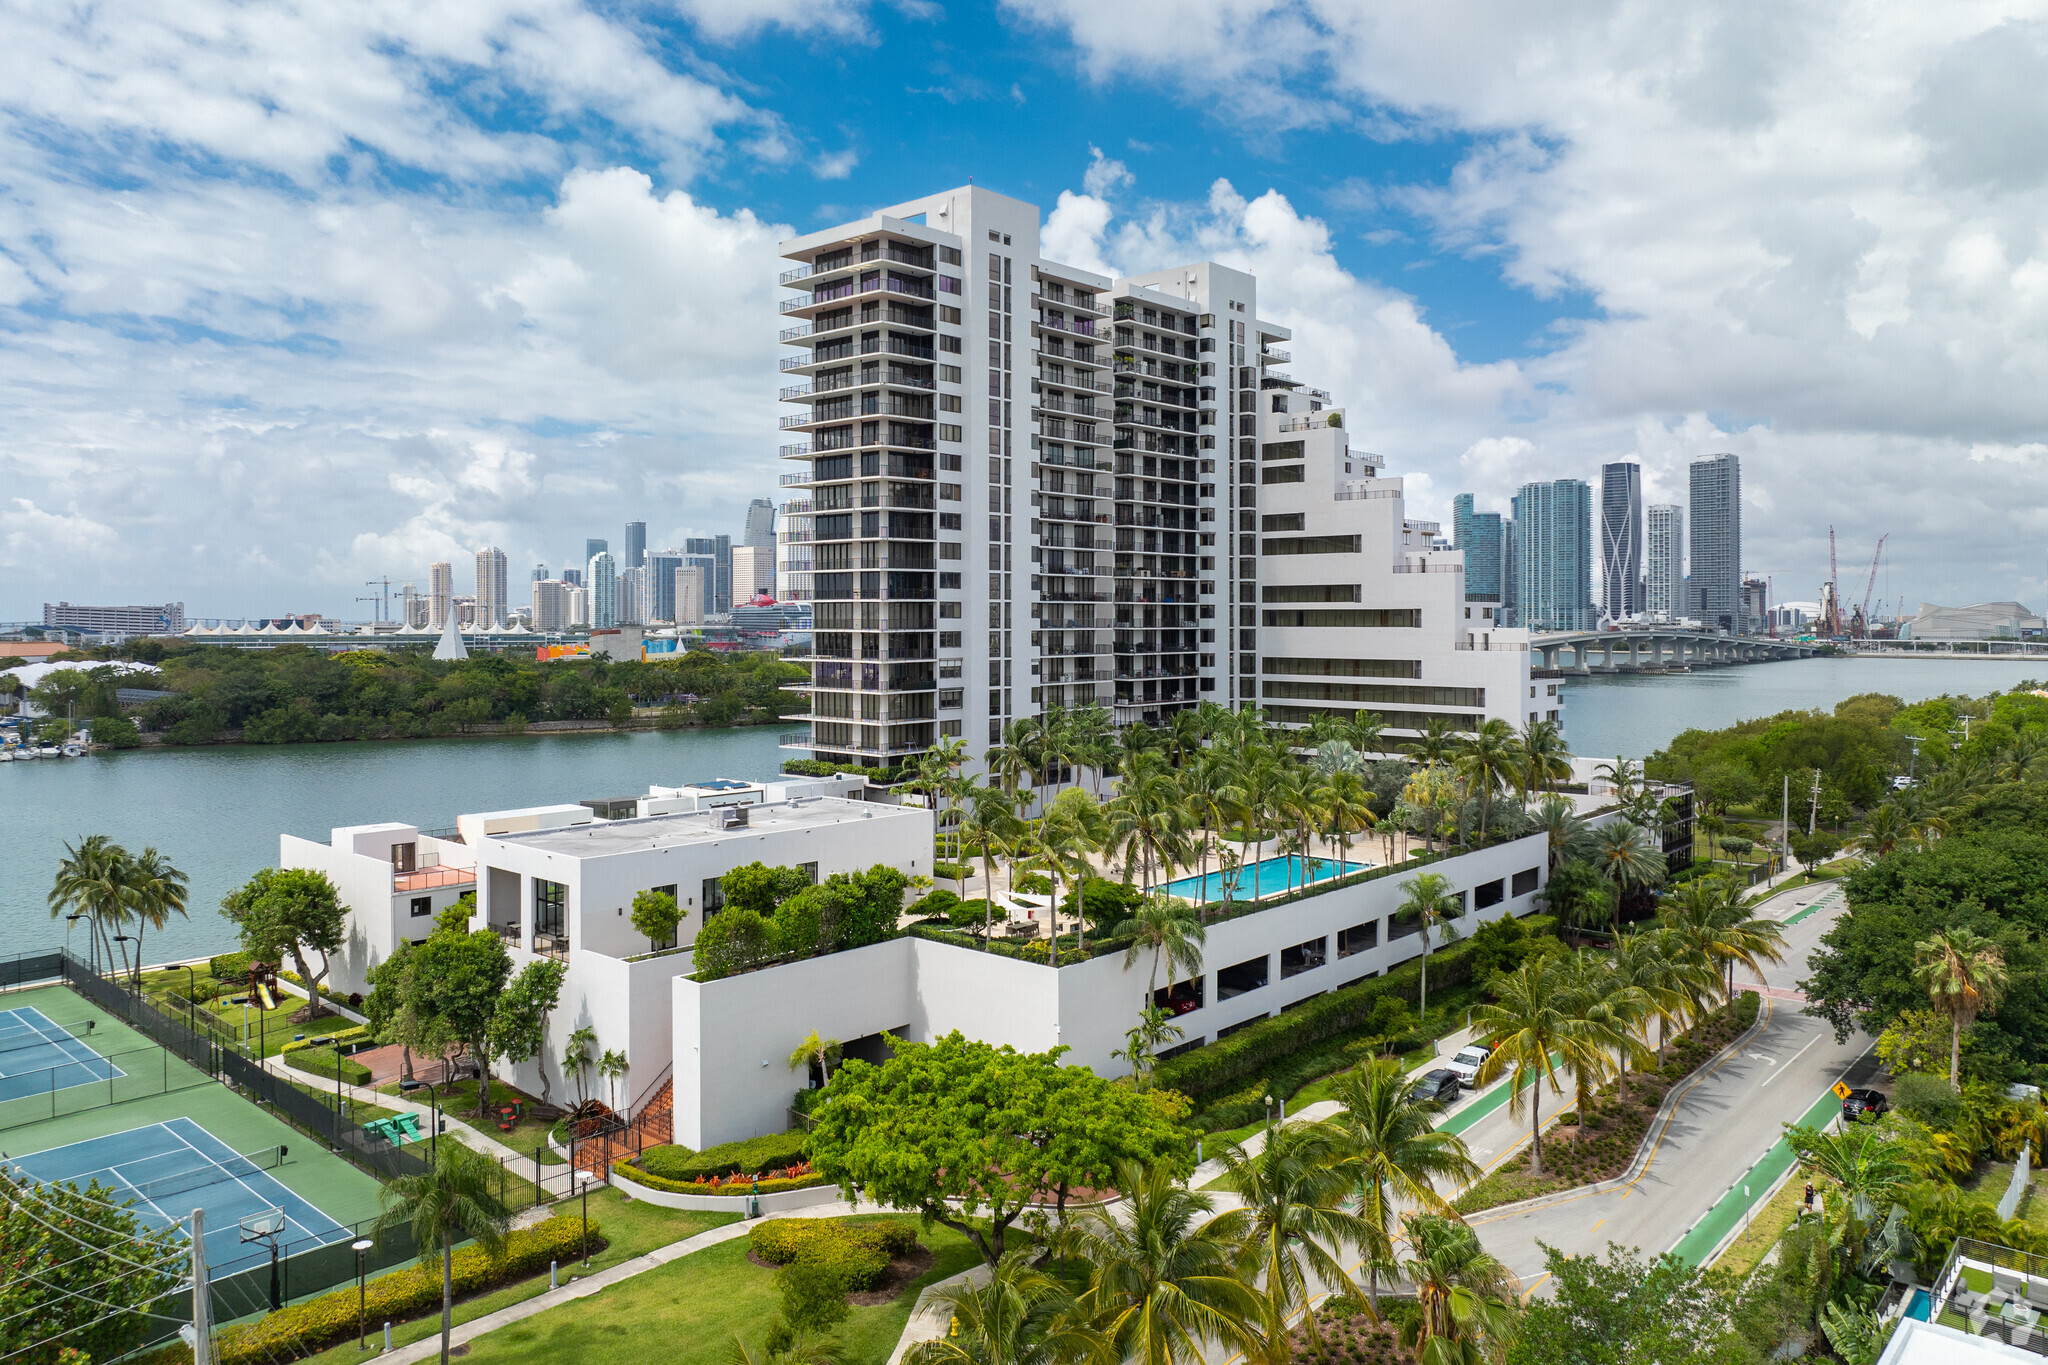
{"points": [[1268, 877]]}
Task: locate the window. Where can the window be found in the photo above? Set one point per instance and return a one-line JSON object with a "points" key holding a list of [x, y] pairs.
{"points": [[949, 374], [949, 549], [1358, 938], [1311, 592], [422, 905], [949, 729], [949, 402], [1303, 957], [1488, 894], [949, 492], [1285, 521], [1343, 668], [952, 699], [1285, 450], [949, 609], [402, 857], [949, 639], [1183, 998], [1311, 545], [1371, 693], [949, 432], [1373, 617], [951, 345], [1241, 977], [809, 870], [1525, 881], [949, 521], [550, 908], [714, 897], [1287, 473], [670, 891], [949, 284]]}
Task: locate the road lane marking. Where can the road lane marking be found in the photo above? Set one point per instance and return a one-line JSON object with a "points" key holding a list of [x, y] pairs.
{"points": [[1534, 1285], [1596, 1226], [1788, 1062]]}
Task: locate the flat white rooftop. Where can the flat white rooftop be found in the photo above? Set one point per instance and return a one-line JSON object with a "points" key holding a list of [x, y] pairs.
{"points": [[603, 838]]}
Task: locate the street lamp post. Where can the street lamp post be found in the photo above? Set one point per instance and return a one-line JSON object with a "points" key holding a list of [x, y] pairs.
{"points": [[361, 1248], [191, 995], [584, 1179], [130, 938], [337, 1092]]}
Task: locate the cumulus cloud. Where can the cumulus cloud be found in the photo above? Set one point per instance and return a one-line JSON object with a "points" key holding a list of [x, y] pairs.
{"points": [[1819, 224]]}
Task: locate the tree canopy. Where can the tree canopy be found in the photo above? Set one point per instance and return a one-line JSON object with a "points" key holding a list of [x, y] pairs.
{"points": [[83, 1273], [972, 1136], [291, 910]]}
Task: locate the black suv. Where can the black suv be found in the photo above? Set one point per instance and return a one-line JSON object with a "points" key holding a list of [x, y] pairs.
{"points": [[1441, 1084], [1864, 1104]]}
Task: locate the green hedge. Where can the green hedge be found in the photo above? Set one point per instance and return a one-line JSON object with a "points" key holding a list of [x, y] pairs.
{"points": [[1236, 1059], [860, 1253], [320, 1062], [230, 966], [306, 1327], [771, 1153], [814, 767]]}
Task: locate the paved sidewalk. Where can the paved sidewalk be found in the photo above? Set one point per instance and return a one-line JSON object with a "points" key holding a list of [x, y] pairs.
{"points": [[461, 1132]]}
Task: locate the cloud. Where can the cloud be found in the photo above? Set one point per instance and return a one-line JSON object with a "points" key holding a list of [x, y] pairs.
{"points": [[1818, 224], [836, 165], [729, 20], [1104, 176]]}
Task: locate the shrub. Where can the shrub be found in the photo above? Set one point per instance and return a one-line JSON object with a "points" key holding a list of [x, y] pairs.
{"points": [[321, 1062], [308, 1326], [230, 966], [117, 732], [347, 1037], [934, 904], [813, 1295], [950, 872], [733, 1187], [777, 1151], [1931, 1099], [860, 1253]]}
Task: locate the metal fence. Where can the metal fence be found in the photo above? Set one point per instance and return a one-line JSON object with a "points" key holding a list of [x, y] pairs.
{"points": [[74, 1086], [25, 969]]}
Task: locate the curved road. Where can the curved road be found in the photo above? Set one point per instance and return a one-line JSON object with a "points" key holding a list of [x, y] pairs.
{"points": [[1726, 1120]]}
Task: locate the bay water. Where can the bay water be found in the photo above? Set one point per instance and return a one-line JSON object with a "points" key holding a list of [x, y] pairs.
{"points": [[217, 812]]}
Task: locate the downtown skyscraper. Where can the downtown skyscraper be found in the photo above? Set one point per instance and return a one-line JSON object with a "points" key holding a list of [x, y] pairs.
{"points": [[1621, 540], [1478, 534], [1664, 564], [492, 588], [1554, 556], [1716, 536]]}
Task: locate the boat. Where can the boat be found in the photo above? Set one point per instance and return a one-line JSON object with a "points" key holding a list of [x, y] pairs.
{"points": [[74, 751], [49, 751]]}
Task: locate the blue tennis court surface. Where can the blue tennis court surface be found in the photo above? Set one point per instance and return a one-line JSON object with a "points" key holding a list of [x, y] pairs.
{"points": [[38, 1056], [173, 1167]]}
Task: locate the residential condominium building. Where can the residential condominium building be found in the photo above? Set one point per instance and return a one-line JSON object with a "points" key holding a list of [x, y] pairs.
{"points": [[636, 544], [689, 594], [551, 605], [760, 528], [168, 619], [753, 571], [1717, 542], [1553, 556], [1621, 540], [1664, 566], [491, 588], [715, 554], [603, 585], [440, 593], [661, 583], [998, 448], [1478, 534]]}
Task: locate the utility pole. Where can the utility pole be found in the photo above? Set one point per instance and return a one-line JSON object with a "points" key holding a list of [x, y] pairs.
{"points": [[1813, 810], [202, 1294], [1785, 816]]}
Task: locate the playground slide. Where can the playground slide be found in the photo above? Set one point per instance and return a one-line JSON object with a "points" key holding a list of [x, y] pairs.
{"points": [[263, 995]]}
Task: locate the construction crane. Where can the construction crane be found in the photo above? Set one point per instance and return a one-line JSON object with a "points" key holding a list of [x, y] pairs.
{"points": [[1859, 624], [382, 602], [1831, 625]]}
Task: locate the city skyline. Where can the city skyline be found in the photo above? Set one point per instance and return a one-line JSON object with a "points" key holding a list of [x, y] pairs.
{"points": [[576, 301]]}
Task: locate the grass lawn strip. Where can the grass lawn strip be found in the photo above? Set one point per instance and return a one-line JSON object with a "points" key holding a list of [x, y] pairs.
{"points": [[688, 1312], [632, 1228], [1768, 1224], [1603, 1144]]}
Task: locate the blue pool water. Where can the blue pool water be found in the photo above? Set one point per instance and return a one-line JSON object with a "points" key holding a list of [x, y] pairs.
{"points": [[1920, 1306], [1269, 877]]}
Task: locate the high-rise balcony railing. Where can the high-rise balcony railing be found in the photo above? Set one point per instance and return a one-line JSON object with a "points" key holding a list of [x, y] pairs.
{"points": [[912, 289]]}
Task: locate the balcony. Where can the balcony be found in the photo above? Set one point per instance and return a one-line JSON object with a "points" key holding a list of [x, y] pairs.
{"points": [[910, 289], [1084, 327], [427, 878], [555, 946]]}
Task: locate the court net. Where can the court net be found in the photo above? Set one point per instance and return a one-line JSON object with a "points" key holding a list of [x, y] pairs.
{"points": [[14, 1040], [215, 1172]]}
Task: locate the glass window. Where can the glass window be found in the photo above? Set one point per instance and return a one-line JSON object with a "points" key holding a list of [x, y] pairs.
{"points": [[714, 897], [550, 908]]}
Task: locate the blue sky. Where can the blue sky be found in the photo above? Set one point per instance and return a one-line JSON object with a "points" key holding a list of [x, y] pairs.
{"points": [[293, 296]]}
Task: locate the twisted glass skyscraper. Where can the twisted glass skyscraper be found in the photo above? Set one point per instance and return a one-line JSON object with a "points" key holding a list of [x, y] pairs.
{"points": [[1621, 539]]}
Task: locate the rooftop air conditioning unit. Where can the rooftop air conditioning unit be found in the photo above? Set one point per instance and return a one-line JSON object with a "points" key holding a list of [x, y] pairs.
{"points": [[732, 817]]}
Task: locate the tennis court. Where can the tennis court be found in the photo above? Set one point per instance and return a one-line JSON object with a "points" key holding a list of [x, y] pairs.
{"points": [[39, 1055], [173, 1166]]}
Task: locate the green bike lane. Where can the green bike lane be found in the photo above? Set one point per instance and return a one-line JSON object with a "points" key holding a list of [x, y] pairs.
{"points": [[1755, 1186]]}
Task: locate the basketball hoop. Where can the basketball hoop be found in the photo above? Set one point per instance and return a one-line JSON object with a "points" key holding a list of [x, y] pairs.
{"points": [[264, 1226]]}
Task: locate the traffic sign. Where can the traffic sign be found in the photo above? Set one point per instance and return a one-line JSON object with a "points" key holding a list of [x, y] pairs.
{"points": [[1841, 1090]]}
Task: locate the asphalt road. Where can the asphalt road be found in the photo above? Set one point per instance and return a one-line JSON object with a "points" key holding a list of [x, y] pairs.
{"points": [[1727, 1119]]}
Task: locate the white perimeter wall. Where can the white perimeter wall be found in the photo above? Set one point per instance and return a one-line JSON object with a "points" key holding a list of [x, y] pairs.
{"points": [[733, 1037]]}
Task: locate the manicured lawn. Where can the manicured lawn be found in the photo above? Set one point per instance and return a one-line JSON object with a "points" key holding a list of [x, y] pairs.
{"points": [[458, 1102], [634, 1229], [689, 1311], [1764, 1230]]}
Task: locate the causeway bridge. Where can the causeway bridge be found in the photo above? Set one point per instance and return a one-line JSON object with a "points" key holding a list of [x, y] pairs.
{"points": [[1654, 649]]}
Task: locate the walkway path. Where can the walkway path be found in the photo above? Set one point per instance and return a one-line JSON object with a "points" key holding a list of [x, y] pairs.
{"points": [[429, 1347]]}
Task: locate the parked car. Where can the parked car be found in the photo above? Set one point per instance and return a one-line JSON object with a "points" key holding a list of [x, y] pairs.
{"points": [[1468, 1061], [1440, 1084], [1864, 1104]]}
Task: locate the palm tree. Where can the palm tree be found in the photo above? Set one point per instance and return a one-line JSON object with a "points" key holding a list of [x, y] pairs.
{"points": [[1141, 1044], [1145, 818], [1605, 1012], [1347, 810], [612, 1066], [1364, 731], [1627, 857], [1437, 746], [1545, 761], [990, 822], [93, 880], [1963, 973], [1184, 736], [1337, 756], [1527, 1025], [2023, 758], [1868, 1167], [1567, 833], [1707, 920], [1671, 982], [1295, 1225], [1072, 828], [454, 1199], [818, 1052], [1018, 1316], [1466, 1297], [1884, 830], [1431, 902], [1173, 932], [576, 1061], [156, 890], [1390, 1153], [1625, 774], [1161, 1285], [1485, 761]]}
